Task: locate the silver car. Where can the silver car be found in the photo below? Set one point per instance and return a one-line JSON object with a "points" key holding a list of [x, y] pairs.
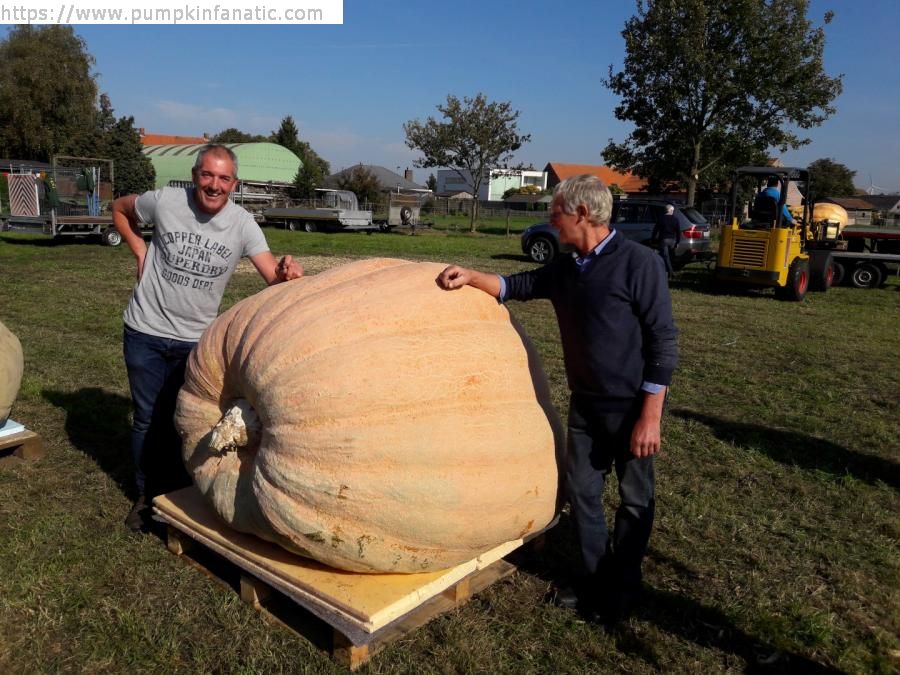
{"points": [[634, 218]]}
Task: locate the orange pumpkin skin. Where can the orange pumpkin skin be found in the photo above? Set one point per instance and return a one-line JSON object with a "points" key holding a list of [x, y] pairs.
{"points": [[12, 365], [403, 428]]}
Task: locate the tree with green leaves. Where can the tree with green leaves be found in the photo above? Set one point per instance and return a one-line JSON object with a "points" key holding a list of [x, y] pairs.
{"points": [[830, 179], [710, 84], [361, 182], [48, 94], [134, 170], [309, 177], [474, 137], [431, 183], [313, 169], [232, 135]]}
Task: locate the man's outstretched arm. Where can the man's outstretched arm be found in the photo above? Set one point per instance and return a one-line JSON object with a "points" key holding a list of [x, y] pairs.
{"points": [[454, 277]]}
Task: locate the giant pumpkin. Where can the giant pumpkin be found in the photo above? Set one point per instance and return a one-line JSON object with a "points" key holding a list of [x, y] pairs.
{"points": [[12, 365], [365, 418]]}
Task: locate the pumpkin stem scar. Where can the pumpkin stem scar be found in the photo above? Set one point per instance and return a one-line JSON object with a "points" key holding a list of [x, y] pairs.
{"points": [[238, 430]]}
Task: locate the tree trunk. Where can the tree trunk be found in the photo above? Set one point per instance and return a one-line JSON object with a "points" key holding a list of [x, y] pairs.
{"points": [[691, 189], [473, 213], [694, 176]]}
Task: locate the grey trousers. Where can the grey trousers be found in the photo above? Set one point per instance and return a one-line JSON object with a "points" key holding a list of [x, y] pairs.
{"points": [[597, 441]]}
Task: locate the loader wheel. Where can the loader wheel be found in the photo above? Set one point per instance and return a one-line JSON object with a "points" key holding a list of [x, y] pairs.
{"points": [[821, 272], [797, 282], [866, 275]]}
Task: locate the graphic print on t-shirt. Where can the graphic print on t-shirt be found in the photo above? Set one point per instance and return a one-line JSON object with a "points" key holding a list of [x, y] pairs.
{"points": [[193, 260]]}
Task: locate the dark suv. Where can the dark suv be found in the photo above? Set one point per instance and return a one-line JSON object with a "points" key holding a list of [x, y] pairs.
{"points": [[634, 218]]}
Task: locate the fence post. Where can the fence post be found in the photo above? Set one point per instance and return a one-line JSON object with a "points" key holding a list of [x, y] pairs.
{"points": [[507, 222]]}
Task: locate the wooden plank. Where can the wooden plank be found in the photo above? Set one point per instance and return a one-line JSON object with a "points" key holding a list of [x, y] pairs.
{"points": [[253, 591], [362, 603], [25, 445], [441, 604], [352, 642], [176, 542]]}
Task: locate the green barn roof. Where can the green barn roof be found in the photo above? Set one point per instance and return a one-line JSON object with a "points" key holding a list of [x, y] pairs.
{"points": [[262, 162]]}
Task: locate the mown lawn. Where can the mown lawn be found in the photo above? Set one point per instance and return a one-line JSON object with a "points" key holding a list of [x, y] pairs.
{"points": [[775, 549]]}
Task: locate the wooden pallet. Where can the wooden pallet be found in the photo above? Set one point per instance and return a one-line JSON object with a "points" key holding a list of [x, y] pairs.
{"points": [[364, 613], [24, 445]]}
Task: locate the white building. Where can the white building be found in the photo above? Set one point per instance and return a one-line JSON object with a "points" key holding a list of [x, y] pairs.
{"points": [[495, 182]]}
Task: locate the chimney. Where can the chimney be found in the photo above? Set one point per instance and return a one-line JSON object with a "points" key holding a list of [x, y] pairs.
{"points": [[407, 174]]}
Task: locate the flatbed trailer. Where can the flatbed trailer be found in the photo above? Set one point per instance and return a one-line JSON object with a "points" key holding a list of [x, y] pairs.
{"points": [[314, 220], [340, 212], [864, 269], [64, 226]]}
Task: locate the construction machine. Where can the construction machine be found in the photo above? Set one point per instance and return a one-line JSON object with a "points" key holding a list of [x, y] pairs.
{"points": [[769, 245]]}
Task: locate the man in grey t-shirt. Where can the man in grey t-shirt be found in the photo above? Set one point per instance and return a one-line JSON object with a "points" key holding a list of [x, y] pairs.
{"points": [[199, 236]]}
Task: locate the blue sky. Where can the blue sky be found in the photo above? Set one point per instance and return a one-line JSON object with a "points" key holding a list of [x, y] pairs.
{"points": [[351, 87]]}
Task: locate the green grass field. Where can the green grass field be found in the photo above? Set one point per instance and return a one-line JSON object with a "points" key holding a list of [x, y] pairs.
{"points": [[775, 548]]}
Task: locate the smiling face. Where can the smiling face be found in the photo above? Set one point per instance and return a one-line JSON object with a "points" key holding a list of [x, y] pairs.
{"points": [[214, 180]]}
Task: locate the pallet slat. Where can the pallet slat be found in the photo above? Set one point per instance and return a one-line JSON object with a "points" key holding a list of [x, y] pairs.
{"points": [[365, 612], [25, 445]]}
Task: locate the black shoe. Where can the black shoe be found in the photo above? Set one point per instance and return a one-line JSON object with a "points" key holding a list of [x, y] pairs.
{"points": [[138, 519], [615, 610], [565, 597]]}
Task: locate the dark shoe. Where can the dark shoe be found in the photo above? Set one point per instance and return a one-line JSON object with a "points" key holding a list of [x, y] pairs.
{"points": [[565, 597], [615, 610], [138, 518]]}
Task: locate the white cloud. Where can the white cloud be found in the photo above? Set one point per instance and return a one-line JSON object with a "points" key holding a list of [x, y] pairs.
{"points": [[189, 118]]}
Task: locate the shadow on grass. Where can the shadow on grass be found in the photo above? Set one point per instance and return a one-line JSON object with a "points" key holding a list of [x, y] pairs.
{"points": [[557, 557], [789, 447], [97, 423], [710, 628], [38, 240]]}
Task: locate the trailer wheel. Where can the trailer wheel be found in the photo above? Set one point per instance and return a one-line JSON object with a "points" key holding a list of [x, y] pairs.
{"points": [[797, 282], [309, 226], [292, 225], [866, 275], [840, 272], [111, 237]]}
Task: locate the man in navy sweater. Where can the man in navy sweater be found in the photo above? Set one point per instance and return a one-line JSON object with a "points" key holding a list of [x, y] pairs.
{"points": [[619, 345]]}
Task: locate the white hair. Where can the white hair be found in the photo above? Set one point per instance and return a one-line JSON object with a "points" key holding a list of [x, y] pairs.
{"points": [[588, 190]]}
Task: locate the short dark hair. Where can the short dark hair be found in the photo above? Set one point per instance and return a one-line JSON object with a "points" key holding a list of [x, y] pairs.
{"points": [[772, 181]]}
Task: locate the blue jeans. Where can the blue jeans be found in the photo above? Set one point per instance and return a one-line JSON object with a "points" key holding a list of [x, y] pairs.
{"points": [[597, 440], [155, 374]]}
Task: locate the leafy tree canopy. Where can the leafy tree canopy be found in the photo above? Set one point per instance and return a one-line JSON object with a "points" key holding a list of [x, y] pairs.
{"points": [[431, 183], [48, 94], [134, 170], [232, 135], [474, 137], [361, 182], [524, 190], [830, 179], [710, 85], [313, 169]]}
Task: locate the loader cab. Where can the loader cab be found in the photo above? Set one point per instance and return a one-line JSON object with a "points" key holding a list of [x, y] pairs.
{"points": [[762, 247], [769, 190]]}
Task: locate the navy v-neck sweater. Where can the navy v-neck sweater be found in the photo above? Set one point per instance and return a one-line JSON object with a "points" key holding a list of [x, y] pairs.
{"points": [[615, 320]]}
